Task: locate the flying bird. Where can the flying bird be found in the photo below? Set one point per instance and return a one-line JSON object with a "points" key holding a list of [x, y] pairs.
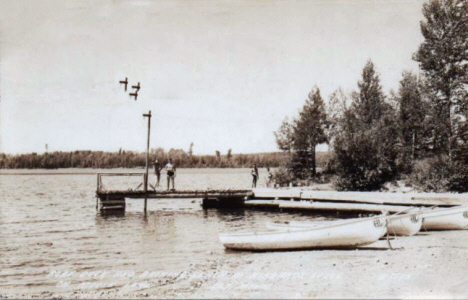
{"points": [[125, 82], [134, 95], [136, 87]]}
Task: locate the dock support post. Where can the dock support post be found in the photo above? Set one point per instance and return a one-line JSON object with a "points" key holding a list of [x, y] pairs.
{"points": [[98, 189], [147, 156]]}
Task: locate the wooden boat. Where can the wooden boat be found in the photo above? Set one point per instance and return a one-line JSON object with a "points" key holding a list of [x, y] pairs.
{"points": [[454, 218], [400, 225], [349, 235]]}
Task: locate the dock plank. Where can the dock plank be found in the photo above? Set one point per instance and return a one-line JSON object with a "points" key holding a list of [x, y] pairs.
{"points": [[423, 199], [349, 207], [175, 194]]}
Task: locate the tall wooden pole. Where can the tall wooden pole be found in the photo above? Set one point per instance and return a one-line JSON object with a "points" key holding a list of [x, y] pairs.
{"points": [[147, 156]]}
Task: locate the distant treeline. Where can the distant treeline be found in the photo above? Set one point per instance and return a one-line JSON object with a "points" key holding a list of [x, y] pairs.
{"points": [[132, 159]]}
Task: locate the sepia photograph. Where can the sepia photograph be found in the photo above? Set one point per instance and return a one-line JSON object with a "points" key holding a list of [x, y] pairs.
{"points": [[233, 149]]}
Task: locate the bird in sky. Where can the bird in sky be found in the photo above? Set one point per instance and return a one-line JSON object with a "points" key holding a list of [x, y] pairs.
{"points": [[134, 95], [124, 82], [136, 87]]}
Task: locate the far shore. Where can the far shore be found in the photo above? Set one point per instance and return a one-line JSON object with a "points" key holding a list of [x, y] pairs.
{"points": [[390, 187]]}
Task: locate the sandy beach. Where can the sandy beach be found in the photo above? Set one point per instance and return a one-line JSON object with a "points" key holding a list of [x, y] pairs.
{"points": [[428, 265]]}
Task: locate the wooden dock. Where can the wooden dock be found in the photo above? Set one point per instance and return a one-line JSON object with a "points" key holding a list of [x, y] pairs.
{"points": [[287, 199], [368, 202], [211, 198], [405, 199], [175, 194]]}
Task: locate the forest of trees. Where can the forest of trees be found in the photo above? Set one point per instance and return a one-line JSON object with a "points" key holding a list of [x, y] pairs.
{"points": [[131, 159], [418, 132]]}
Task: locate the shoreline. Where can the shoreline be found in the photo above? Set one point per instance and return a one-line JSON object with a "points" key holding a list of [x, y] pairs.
{"points": [[414, 269]]}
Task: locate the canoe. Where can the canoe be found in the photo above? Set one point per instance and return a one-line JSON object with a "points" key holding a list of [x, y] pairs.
{"points": [[400, 225], [349, 235], [404, 225], [454, 218]]}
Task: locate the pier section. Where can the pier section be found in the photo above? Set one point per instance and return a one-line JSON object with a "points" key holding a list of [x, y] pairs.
{"points": [[115, 199], [281, 199]]}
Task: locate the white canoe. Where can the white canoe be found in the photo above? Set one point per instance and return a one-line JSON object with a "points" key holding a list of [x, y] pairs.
{"points": [[400, 225], [454, 218], [404, 225], [351, 234]]}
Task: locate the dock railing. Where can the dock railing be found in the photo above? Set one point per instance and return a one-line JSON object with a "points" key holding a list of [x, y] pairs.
{"points": [[101, 188]]}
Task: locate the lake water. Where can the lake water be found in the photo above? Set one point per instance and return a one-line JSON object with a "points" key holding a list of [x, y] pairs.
{"points": [[53, 239]]}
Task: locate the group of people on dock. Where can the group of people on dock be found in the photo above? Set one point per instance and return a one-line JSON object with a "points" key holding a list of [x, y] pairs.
{"points": [[171, 174], [255, 175]]}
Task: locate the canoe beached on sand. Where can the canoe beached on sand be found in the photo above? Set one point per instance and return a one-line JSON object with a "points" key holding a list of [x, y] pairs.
{"points": [[401, 225], [351, 234], [404, 225], [453, 218]]}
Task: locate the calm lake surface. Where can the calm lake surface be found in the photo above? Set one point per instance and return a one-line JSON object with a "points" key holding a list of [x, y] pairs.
{"points": [[49, 226]]}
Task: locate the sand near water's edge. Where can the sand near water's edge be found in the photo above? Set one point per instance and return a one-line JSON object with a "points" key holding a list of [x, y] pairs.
{"points": [[428, 265]]}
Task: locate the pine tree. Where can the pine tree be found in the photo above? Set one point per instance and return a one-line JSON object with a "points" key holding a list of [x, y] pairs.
{"points": [[369, 101], [309, 129], [364, 146], [443, 58], [338, 104], [411, 114], [284, 135], [190, 152]]}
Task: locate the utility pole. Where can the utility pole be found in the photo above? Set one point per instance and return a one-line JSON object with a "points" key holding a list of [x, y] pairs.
{"points": [[147, 156]]}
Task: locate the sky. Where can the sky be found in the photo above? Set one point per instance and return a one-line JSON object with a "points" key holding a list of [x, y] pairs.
{"points": [[221, 74]]}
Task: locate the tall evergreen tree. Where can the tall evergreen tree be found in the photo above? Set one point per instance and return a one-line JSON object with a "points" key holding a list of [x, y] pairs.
{"points": [[443, 58], [338, 104], [309, 129], [284, 135], [369, 100], [411, 114], [364, 146], [190, 152]]}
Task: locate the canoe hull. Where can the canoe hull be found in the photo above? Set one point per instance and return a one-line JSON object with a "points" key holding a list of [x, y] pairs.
{"points": [[402, 225], [350, 235], [405, 226], [449, 219], [455, 218]]}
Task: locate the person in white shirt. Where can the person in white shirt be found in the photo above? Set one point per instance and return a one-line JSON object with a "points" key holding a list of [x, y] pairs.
{"points": [[170, 169]]}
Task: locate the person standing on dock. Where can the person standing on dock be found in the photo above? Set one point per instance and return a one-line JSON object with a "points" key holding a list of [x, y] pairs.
{"points": [[254, 174], [270, 178], [157, 172], [170, 169]]}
